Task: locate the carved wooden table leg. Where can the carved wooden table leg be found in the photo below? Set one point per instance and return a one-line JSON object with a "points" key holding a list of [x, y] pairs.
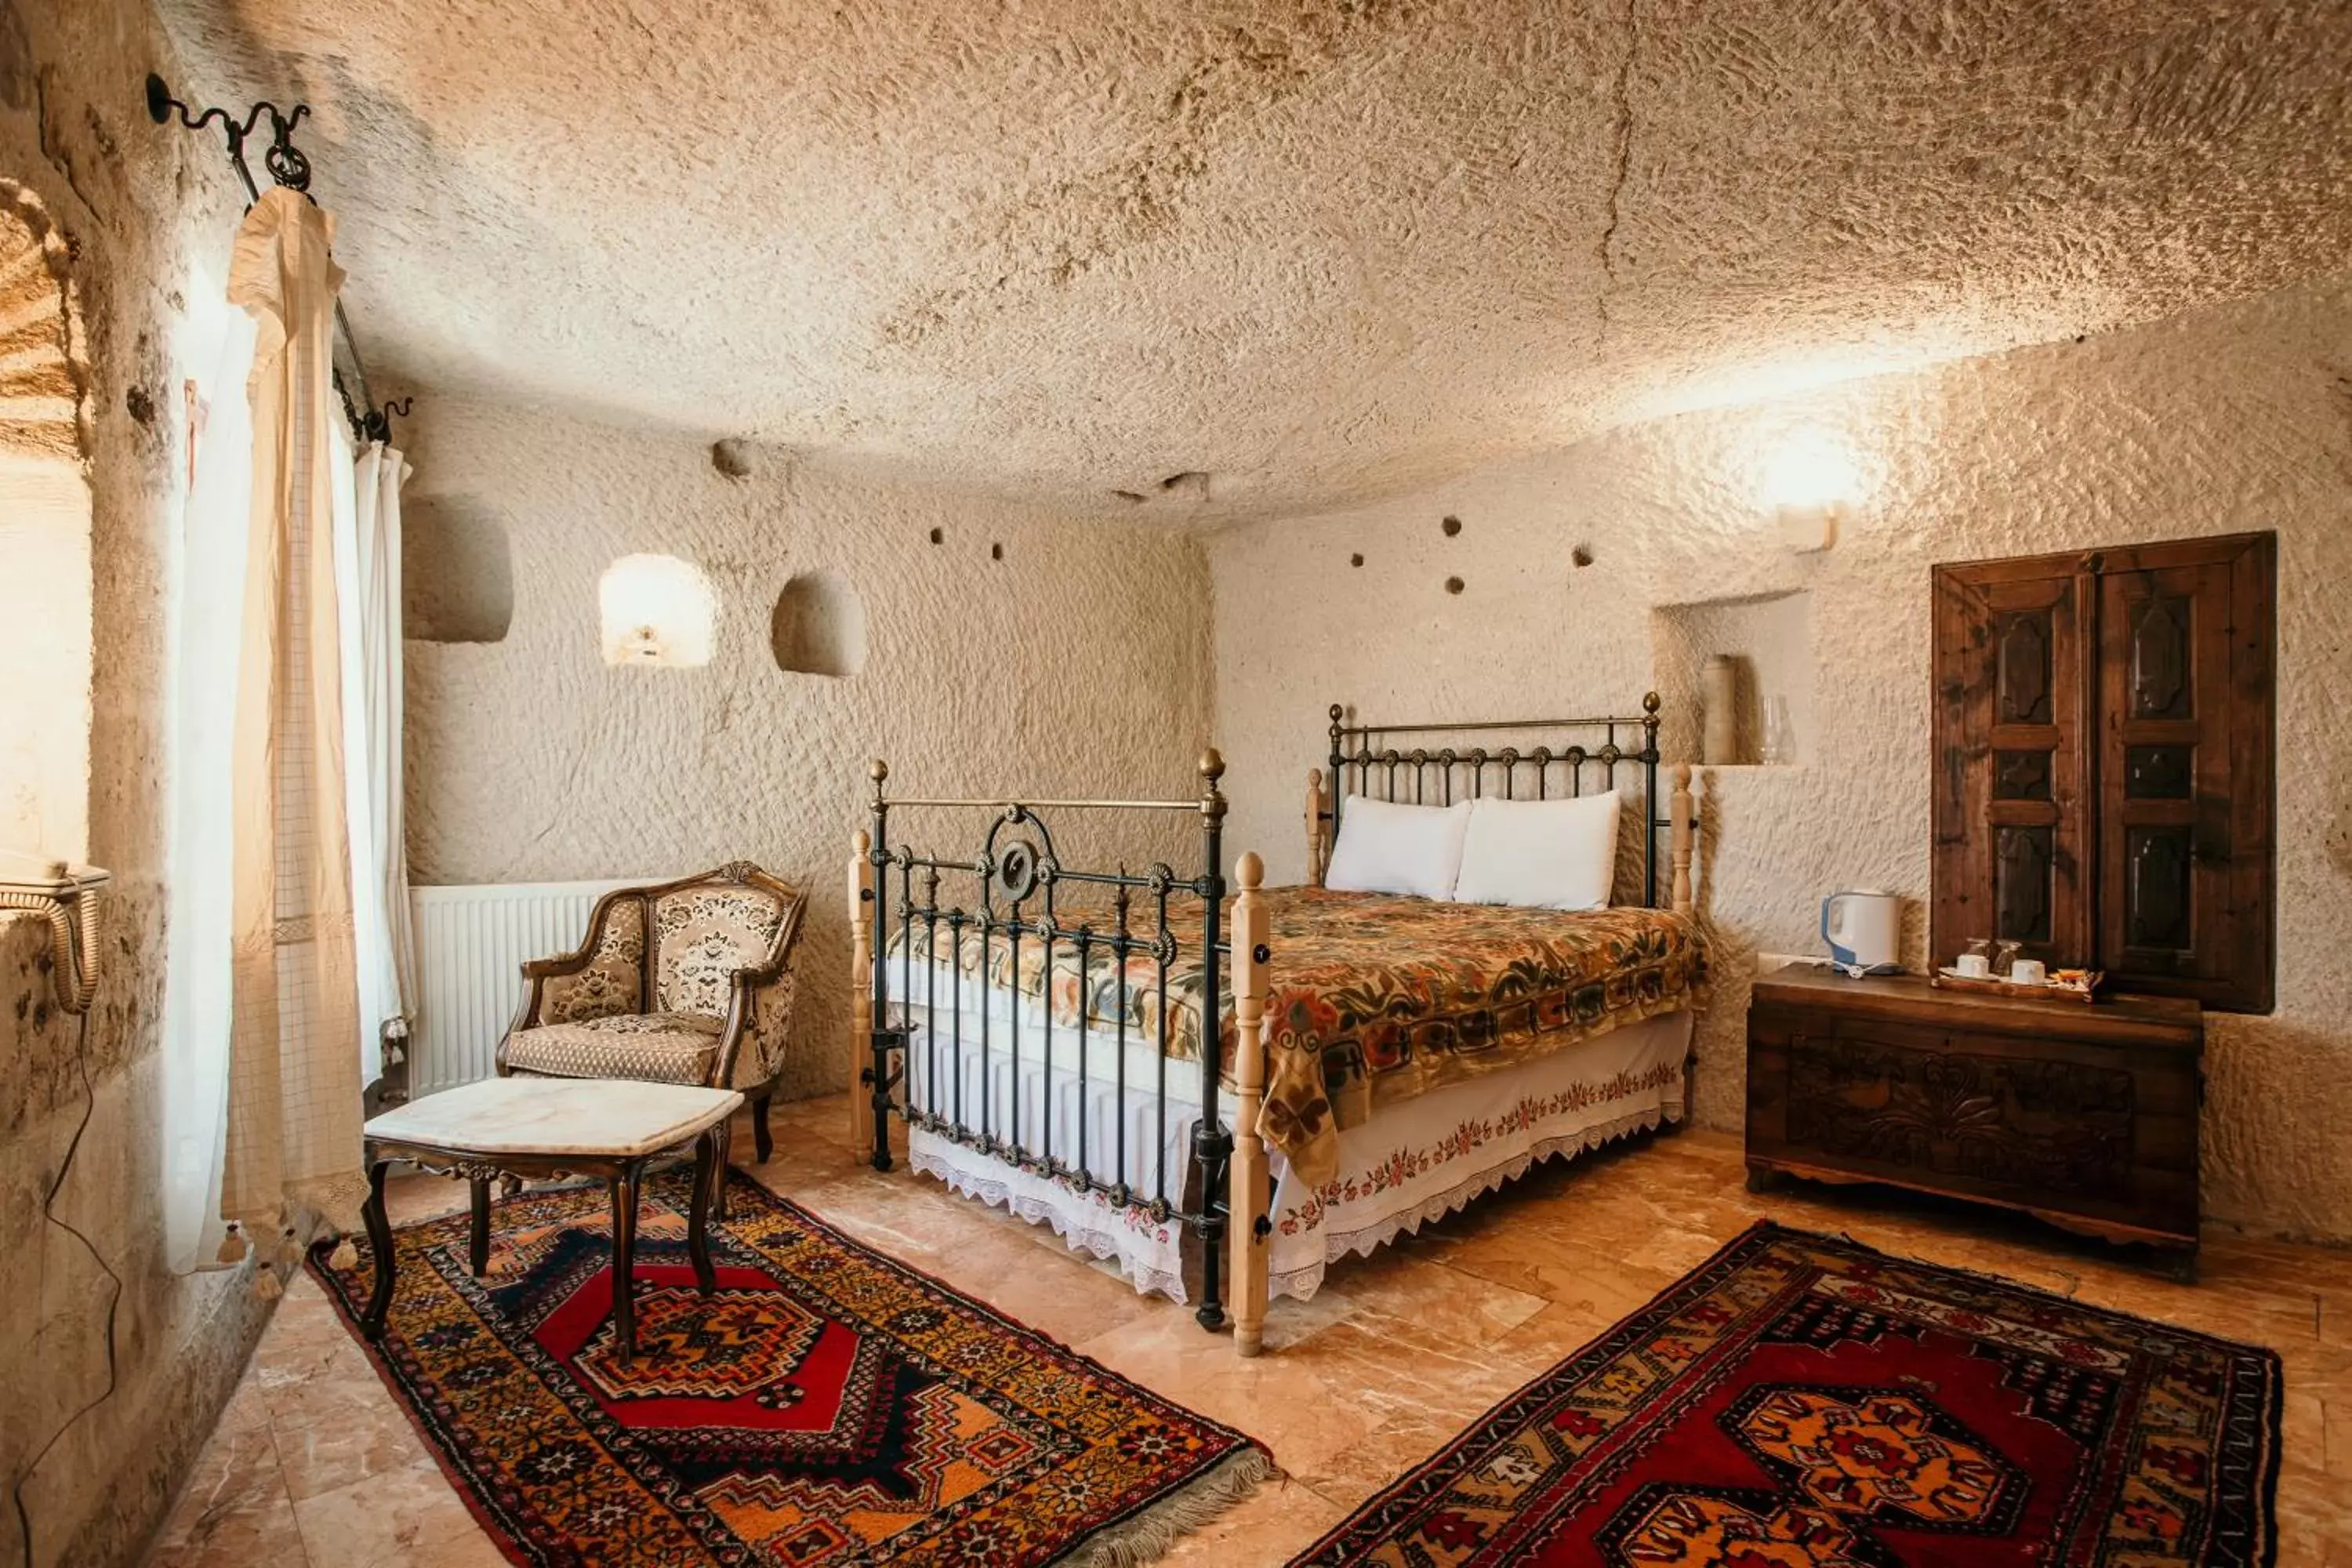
{"points": [[379, 1231], [478, 1244], [707, 1174], [625, 1248]]}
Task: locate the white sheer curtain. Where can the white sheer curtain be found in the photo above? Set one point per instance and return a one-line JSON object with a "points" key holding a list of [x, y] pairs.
{"points": [[209, 612], [367, 557], [287, 619]]}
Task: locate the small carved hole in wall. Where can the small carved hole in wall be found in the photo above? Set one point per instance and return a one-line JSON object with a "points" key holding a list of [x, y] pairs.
{"points": [[1581, 556], [996, 552], [1131, 498], [658, 610], [818, 626], [456, 572], [1454, 584], [1355, 560], [1192, 481], [1452, 525], [732, 458], [939, 536]]}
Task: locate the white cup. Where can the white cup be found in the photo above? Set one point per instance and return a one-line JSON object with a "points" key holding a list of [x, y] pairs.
{"points": [[2028, 971], [1975, 965]]}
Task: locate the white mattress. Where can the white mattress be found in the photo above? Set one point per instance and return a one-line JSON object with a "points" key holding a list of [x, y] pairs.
{"points": [[962, 1018]]}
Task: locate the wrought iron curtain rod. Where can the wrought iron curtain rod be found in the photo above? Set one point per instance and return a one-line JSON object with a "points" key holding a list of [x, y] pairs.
{"points": [[289, 168]]}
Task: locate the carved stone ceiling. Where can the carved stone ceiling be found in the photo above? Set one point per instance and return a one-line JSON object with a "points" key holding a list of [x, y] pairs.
{"points": [[1314, 250]]}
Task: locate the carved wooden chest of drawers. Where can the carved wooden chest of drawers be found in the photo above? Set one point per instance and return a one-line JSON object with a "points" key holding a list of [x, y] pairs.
{"points": [[2085, 1116]]}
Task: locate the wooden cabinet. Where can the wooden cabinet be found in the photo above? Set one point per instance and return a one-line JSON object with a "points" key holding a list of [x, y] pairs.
{"points": [[2083, 1115], [2103, 790]]}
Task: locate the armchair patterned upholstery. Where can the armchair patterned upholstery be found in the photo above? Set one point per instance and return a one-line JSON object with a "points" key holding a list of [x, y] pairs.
{"points": [[688, 981]]}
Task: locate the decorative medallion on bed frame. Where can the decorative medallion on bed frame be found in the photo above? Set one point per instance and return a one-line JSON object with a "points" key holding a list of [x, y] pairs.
{"points": [[1071, 1042]]}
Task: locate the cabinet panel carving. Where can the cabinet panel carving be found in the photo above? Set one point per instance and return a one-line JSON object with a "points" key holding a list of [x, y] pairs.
{"points": [[2055, 1125], [2025, 668], [2156, 893], [2159, 772], [2159, 659], [2022, 775], [2021, 883]]}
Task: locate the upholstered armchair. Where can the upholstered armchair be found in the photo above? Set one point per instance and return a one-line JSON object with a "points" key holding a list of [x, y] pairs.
{"points": [[686, 982]]}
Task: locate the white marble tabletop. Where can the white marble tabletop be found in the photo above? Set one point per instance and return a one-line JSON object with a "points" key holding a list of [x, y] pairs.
{"points": [[615, 1117]]}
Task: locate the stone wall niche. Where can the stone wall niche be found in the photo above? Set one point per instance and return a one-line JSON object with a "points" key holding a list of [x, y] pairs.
{"points": [[44, 538], [1769, 639], [658, 610], [818, 626], [456, 572]]}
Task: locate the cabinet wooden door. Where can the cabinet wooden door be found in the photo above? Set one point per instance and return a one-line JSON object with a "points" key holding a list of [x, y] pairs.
{"points": [[2014, 700], [2185, 769], [2103, 774]]}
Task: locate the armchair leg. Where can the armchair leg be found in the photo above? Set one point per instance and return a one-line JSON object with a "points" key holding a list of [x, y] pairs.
{"points": [[718, 1177], [762, 1145]]}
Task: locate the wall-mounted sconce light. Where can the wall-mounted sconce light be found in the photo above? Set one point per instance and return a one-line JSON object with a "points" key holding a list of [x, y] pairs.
{"points": [[658, 610], [1810, 486]]}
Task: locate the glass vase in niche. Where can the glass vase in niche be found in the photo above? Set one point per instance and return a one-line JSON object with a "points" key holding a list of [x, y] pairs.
{"points": [[1779, 742]]}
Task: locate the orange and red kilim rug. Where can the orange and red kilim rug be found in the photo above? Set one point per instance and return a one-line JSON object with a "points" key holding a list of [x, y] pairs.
{"points": [[1801, 1402], [825, 1406]]}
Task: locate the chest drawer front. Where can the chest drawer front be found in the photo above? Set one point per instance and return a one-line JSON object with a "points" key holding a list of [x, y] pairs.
{"points": [[2043, 1123], [1945, 1109]]}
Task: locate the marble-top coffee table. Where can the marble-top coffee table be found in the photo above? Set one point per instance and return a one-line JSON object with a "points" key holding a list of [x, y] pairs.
{"points": [[548, 1127]]}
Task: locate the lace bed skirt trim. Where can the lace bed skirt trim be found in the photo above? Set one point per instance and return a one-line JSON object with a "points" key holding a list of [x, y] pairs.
{"points": [[1300, 1284], [1148, 1277]]}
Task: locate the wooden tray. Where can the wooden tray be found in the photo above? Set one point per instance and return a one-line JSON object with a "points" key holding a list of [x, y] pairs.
{"points": [[1994, 985]]}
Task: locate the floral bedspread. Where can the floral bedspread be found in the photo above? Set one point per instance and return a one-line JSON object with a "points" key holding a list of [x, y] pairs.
{"points": [[1372, 998]]}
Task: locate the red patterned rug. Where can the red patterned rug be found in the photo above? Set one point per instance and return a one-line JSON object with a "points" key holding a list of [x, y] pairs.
{"points": [[825, 1407], [1802, 1402]]}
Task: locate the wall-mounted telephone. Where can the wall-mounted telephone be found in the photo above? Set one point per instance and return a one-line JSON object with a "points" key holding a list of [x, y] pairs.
{"points": [[69, 896]]}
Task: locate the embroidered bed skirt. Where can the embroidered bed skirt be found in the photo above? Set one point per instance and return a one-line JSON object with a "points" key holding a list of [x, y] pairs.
{"points": [[1412, 1162]]}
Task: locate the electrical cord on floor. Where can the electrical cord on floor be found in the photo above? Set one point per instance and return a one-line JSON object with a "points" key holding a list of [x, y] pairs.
{"points": [[113, 1302]]}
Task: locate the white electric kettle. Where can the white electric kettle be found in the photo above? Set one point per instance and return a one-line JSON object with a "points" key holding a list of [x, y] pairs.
{"points": [[1864, 931]]}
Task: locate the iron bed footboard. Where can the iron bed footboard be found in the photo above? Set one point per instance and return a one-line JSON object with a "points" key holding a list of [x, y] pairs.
{"points": [[1018, 879]]}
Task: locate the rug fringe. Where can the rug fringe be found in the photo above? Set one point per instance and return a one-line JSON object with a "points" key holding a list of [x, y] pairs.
{"points": [[1150, 1535]]}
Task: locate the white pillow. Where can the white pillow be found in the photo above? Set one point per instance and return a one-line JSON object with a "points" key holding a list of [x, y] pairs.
{"points": [[1385, 847], [1540, 854]]}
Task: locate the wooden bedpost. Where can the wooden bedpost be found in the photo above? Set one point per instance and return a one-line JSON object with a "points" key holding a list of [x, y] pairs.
{"points": [[1318, 845], [861, 994], [1248, 1194], [1678, 839]]}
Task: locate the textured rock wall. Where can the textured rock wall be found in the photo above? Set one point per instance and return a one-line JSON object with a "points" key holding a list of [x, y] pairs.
{"points": [[2231, 418], [136, 207], [1075, 664]]}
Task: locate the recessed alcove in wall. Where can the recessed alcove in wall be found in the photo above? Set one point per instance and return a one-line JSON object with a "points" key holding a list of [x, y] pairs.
{"points": [[657, 610], [818, 626], [456, 572], [1769, 640], [44, 538]]}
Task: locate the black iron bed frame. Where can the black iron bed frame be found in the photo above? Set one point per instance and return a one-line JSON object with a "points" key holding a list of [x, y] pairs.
{"points": [[1019, 877]]}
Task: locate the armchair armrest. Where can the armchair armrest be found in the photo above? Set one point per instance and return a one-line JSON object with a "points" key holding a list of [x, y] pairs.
{"points": [[596, 948], [562, 963]]}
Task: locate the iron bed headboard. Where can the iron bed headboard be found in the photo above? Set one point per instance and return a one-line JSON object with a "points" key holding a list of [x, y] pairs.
{"points": [[1370, 751]]}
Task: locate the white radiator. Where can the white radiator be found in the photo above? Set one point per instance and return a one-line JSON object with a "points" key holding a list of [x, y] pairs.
{"points": [[471, 944]]}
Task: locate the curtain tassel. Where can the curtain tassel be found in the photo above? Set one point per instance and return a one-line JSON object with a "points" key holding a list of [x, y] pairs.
{"points": [[344, 1257], [266, 1285], [232, 1246]]}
